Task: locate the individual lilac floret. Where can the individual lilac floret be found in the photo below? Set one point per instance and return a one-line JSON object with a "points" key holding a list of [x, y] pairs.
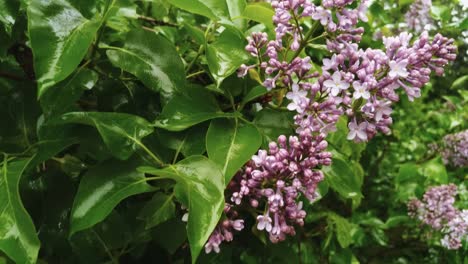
{"points": [[224, 229], [454, 149], [437, 210], [274, 180]]}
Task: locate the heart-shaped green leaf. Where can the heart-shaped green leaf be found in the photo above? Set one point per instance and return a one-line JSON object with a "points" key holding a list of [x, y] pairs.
{"points": [[160, 209], [225, 11], [122, 133], [193, 107], [18, 238], [260, 12], [200, 186], [152, 59], [226, 54], [60, 35], [60, 99], [101, 189], [231, 144], [344, 179]]}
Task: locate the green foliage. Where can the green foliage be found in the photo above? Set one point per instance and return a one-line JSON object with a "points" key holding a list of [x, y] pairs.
{"points": [[240, 142]]}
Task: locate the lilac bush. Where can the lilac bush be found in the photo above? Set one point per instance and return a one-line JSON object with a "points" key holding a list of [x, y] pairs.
{"points": [[356, 83]]}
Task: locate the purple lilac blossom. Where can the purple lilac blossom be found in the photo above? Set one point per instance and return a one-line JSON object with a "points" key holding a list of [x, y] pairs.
{"points": [[273, 181], [356, 83], [454, 149], [437, 210], [418, 18]]}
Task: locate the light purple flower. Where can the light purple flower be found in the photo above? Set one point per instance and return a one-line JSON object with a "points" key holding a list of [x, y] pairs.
{"points": [[336, 84], [264, 222], [360, 90], [398, 69], [357, 132], [298, 98]]}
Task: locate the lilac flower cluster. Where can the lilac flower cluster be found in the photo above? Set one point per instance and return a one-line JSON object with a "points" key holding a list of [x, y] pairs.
{"points": [[438, 211], [363, 83], [454, 149], [418, 18], [223, 232], [359, 84], [273, 181]]}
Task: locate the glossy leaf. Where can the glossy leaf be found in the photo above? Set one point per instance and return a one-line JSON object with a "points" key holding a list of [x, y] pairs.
{"points": [[101, 189], [231, 144], [8, 11], [200, 186], [60, 36], [213, 9], [122, 133], [188, 142], [254, 93], [60, 99], [18, 238], [189, 109], [152, 59], [218, 10], [160, 209], [260, 12], [235, 8], [226, 54], [343, 178], [273, 123]]}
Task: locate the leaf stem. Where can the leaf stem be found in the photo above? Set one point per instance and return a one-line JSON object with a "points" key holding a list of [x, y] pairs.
{"points": [[113, 260], [152, 155], [195, 74], [200, 50]]}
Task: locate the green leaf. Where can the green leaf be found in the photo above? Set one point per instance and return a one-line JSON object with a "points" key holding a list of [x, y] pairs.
{"points": [[342, 228], [441, 12], [254, 93], [460, 83], [235, 8], [60, 36], [260, 12], [213, 9], [151, 58], [230, 144], [343, 178], [200, 186], [8, 11], [170, 235], [397, 220], [434, 170], [122, 133], [463, 24], [193, 107], [18, 238], [217, 10], [226, 54], [188, 142], [160, 209], [101, 189], [273, 123], [60, 99]]}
